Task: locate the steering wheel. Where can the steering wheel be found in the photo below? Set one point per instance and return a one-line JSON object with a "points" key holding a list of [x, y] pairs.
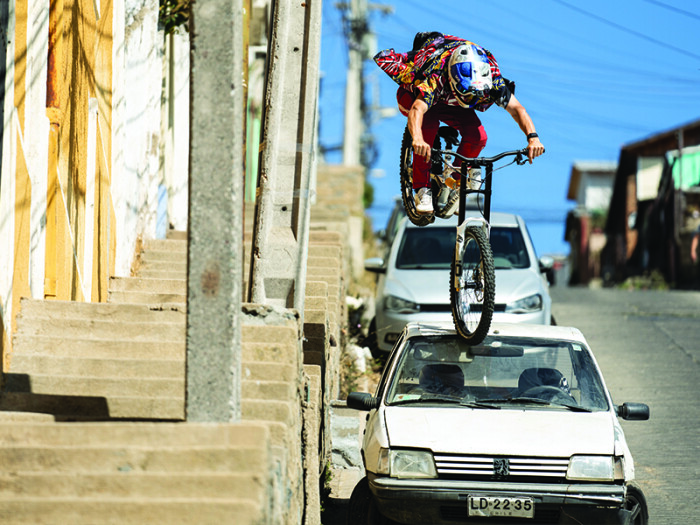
{"points": [[549, 393]]}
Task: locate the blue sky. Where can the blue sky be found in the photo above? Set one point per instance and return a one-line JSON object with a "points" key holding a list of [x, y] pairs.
{"points": [[593, 76]]}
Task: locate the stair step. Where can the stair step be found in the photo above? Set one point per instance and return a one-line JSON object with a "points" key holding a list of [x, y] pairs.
{"points": [[97, 367], [242, 434], [129, 484], [140, 284], [99, 348], [91, 408], [162, 274], [266, 371], [162, 299], [84, 511], [40, 309], [177, 234], [272, 390], [179, 266], [98, 329], [176, 245], [127, 459], [163, 256], [95, 386], [269, 352], [282, 335]]}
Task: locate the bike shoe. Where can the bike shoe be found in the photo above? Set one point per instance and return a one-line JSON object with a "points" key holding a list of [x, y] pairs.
{"points": [[424, 201]]}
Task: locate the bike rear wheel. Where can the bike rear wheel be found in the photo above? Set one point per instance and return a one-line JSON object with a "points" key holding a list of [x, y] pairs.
{"points": [[473, 285], [406, 176]]}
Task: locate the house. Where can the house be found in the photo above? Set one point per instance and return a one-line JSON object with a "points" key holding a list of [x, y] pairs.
{"points": [[651, 216], [590, 186]]}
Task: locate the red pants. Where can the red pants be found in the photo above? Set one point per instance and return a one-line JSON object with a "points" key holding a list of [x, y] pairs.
{"points": [[462, 119]]}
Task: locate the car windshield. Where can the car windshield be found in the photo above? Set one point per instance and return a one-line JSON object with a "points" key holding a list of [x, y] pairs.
{"points": [[433, 248], [499, 373]]}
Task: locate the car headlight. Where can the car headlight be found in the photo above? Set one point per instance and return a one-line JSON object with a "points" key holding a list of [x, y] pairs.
{"points": [[532, 303], [591, 468], [399, 463], [391, 302]]}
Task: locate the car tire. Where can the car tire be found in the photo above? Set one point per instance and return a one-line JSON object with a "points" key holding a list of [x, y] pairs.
{"points": [[362, 510], [635, 498]]}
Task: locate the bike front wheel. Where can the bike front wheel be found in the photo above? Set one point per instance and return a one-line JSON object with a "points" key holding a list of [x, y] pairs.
{"points": [[406, 175], [472, 285]]}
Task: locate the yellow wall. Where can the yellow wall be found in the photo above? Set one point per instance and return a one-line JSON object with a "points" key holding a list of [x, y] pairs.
{"points": [[79, 69], [83, 70]]}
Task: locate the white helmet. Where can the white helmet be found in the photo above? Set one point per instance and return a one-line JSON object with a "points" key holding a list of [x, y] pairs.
{"points": [[470, 74]]}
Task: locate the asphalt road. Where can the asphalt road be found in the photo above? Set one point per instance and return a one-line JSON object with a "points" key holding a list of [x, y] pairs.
{"points": [[647, 344]]}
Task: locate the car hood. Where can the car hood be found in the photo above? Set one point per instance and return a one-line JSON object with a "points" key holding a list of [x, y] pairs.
{"points": [[514, 284], [432, 286], [529, 432]]}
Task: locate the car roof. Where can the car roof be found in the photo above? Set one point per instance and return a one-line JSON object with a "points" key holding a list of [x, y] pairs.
{"points": [[568, 333], [498, 219]]}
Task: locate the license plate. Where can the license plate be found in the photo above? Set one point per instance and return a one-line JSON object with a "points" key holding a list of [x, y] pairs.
{"points": [[492, 506]]}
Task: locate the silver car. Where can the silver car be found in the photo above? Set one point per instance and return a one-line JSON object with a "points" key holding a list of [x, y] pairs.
{"points": [[413, 282], [519, 428]]}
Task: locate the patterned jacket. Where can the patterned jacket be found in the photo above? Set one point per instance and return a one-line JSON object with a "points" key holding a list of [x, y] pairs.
{"points": [[423, 70]]}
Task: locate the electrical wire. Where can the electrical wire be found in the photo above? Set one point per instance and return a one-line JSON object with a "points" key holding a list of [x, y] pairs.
{"points": [[626, 29], [674, 8]]}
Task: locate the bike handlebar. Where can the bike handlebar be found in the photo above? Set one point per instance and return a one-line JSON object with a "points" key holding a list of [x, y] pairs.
{"points": [[485, 161]]}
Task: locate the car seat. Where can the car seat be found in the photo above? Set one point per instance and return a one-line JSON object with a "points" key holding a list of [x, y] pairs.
{"points": [[534, 377], [441, 379]]}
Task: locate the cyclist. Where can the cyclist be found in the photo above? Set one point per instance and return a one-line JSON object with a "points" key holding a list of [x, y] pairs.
{"points": [[445, 79]]}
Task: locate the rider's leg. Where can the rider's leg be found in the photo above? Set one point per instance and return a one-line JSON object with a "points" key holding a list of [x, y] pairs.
{"points": [[431, 123], [471, 130]]}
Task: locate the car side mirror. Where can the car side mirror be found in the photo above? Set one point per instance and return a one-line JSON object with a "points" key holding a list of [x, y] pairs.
{"points": [[546, 263], [633, 411], [362, 401], [375, 264]]}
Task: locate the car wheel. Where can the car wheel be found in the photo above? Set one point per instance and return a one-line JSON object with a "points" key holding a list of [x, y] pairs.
{"points": [[636, 502], [362, 510]]}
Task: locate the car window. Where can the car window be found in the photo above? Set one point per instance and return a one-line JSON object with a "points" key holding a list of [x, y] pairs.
{"points": [[426, 248], [433, 248], [501, 371], [508, 248]]}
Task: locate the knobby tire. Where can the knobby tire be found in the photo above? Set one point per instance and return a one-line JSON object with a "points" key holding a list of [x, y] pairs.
{"points": [[473, 286], [406, 177]]}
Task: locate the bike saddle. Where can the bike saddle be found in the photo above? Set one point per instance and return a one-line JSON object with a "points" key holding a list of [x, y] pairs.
{"points": [[450, 135]]}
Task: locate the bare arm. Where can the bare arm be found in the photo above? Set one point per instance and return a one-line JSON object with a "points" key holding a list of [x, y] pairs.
{"points": [[694, 247], [415, 125], [520, 115]]}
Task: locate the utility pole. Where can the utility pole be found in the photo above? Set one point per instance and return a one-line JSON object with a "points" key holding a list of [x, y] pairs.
{"points": [[361, 44], [356, 27]]}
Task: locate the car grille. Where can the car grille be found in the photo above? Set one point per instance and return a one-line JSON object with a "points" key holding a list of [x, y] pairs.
{"points": [[458, 466], [476, 307], [498, 307]]}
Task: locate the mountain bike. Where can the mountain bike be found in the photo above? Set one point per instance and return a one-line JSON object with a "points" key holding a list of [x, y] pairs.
{"points": [[472, 274]]}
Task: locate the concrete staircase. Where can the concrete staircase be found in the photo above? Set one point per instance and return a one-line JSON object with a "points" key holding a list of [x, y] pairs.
{"points": [[92, 410], [174, 473]]}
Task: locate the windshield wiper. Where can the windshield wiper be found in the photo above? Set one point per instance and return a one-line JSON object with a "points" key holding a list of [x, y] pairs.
{"points": [[573, 408], [441, 398], [486, 403], [535, 401]]}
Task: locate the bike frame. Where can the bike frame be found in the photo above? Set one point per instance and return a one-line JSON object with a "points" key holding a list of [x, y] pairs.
{"points": [[481, 162]]}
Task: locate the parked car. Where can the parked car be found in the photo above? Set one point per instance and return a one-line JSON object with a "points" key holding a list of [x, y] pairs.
{"points": [[413, 281], [520, 427]]}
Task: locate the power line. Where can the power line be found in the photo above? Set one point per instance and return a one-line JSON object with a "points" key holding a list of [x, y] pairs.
{"points": [[674, 8], [626, 29]]}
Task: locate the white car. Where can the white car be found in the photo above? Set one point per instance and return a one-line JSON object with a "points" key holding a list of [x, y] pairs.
{"points": [[519, 428], [413, 282]]}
